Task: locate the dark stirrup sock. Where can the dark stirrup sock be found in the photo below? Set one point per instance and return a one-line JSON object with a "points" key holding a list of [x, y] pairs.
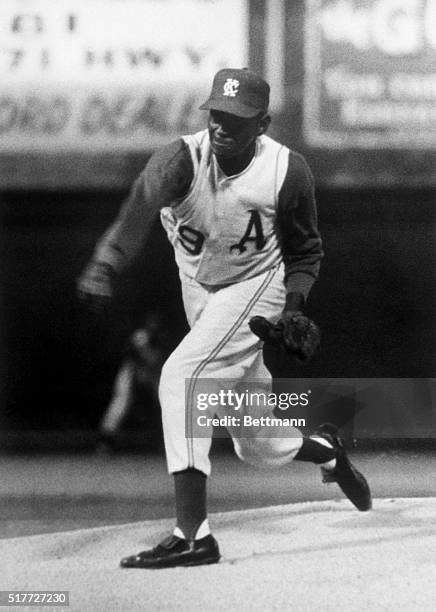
{"points": [[190, 493], [315, 452]]}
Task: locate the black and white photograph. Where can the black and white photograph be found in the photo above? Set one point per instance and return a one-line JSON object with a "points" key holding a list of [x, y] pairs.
{"points": [[217, 305]]}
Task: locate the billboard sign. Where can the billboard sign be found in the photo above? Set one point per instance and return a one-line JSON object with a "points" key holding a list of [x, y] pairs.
{"points": [[370, 73], [110, 75]]}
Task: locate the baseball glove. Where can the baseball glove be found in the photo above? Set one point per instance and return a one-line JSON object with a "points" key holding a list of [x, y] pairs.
{"points": [[294, 334]]}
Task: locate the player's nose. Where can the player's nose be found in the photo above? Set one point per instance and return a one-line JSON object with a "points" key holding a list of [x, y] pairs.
{"points": [[222, 130], [217, 125]]}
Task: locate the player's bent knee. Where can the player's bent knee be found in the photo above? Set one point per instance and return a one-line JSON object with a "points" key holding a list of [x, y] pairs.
{"points": [[267, 452]]}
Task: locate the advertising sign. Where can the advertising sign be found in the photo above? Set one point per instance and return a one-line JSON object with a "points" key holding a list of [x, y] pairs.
{"points": [[110, 75], [370, 73]]}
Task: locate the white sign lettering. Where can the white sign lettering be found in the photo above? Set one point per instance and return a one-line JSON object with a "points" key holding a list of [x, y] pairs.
{"points": [[394, 27]]}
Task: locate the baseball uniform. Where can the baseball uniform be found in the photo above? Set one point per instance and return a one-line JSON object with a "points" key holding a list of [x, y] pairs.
{"points": [[240, 242], [239, 210]]}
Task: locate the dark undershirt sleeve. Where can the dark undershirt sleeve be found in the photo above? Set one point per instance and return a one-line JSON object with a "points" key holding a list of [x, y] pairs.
{"points": [[166, 178], [297, 227]]}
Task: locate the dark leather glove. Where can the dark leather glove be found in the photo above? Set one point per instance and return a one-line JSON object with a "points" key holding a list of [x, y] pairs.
{"points": [[294, 334]]}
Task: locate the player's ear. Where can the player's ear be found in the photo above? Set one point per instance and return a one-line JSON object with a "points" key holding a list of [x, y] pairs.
{"points": [[264, 122]]}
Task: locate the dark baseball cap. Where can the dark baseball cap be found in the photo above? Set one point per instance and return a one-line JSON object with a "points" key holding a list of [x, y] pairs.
{"points": [[238, 91]]}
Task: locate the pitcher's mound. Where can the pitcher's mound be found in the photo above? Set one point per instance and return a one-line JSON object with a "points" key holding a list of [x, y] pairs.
{"points": [[312, 556]]}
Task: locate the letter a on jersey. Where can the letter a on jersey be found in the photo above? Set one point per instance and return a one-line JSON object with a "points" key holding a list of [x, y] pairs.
{"points": [[258, 237]]}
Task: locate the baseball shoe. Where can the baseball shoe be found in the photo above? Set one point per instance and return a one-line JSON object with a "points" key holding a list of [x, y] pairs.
{"points": [[350, 480], [176, 552]]}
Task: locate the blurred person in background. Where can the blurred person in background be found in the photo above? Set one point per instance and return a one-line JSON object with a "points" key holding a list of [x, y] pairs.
{"points": [[135, 389]]}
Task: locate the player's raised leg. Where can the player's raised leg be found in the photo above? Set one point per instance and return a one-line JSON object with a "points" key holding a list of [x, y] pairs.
{"points": [[326, 449]]}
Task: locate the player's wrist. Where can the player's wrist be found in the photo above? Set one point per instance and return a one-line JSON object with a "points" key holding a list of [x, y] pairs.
{"points": [[103, 272], [294, 302], [104, 266]]}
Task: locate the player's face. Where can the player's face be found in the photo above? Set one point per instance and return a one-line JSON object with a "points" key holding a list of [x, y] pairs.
{"points": [[230, 136]]}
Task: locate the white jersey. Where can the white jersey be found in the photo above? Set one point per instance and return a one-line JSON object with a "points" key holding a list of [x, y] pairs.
{"points": [[224, 230]]}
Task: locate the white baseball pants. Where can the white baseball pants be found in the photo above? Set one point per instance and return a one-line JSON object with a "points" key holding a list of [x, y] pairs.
{"points": [[221, 345]]}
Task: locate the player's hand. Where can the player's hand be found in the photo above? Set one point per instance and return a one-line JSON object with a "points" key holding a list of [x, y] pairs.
{"points": [[301, 336], [294, 334], [95, 285]]}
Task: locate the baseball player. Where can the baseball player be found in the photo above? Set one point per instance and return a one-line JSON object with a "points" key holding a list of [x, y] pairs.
{"points": [[239, 210]]}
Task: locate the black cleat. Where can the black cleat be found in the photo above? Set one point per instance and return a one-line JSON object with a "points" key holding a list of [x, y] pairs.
{"points": [[176, 552], [350, 480]]}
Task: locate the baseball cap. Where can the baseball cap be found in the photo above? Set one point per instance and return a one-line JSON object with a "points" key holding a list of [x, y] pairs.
{"points": [[238, 91]]}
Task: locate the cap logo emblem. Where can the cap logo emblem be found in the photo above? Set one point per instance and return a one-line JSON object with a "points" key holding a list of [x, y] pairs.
{"points": [[231, 88]]}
